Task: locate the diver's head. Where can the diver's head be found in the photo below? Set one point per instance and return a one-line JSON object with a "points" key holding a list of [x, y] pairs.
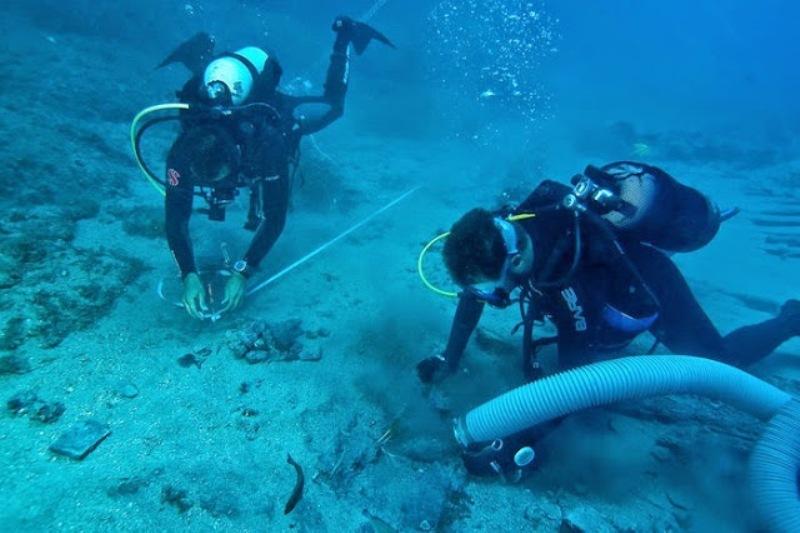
{"points": [[488, 256], [232, 77]]}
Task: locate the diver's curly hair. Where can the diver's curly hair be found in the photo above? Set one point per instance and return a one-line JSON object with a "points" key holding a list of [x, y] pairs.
{"points": [[474, 250]]}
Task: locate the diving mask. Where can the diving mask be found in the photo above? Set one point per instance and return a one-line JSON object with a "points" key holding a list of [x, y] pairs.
{"points": [[497, 293]]}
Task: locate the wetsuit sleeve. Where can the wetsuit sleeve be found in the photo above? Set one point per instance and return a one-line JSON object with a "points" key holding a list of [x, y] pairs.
{"points": [[335, 89], [178, 210], [468, 314], [271, 201]]}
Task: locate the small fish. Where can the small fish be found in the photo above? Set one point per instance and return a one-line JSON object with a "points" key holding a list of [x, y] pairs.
{"points": [[297, 492], [488, 93], [640, 149]]}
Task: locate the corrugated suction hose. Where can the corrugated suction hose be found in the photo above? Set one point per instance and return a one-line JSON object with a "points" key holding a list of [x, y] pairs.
{"points": [[776, 458]]}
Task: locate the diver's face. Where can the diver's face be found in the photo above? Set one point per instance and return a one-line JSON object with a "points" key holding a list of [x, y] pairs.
{"points": [[522, 263], [517, 266]]}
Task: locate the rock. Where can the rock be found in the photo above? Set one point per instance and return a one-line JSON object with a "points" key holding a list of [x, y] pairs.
{"points": [[21, 402], [47, 413], [543, 515], [37, 409], [14, 364], [127, 389], [584, 519], [285, 334], [81, 439], [263, 342], [188, 360], [175, 497]]}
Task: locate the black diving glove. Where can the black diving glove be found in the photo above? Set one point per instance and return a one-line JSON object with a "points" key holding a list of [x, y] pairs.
{"points": [[358, 33], [433, 369]]}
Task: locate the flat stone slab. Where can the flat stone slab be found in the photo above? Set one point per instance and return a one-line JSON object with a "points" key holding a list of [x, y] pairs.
{"points": [[81, 439]]}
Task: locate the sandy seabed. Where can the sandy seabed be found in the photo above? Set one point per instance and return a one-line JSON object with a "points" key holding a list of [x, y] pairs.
{"points": [[200, 436]]}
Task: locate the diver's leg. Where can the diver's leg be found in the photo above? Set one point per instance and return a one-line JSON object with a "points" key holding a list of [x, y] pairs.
{"points": [[685, 328], [748, 344]]}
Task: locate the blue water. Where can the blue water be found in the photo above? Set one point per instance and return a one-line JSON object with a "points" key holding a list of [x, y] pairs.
{"points": [[479, 102]]}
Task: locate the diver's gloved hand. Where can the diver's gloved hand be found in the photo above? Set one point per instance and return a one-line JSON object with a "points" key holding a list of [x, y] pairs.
{"points": [[234, 292], [343, 24], [194, 296], [433, 369]]}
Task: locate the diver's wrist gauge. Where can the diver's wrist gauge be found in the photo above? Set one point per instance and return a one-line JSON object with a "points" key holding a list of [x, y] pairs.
{"points": [[242, 268]]}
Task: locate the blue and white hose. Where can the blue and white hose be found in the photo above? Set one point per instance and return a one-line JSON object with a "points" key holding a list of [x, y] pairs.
{"points": [[776, 457]]}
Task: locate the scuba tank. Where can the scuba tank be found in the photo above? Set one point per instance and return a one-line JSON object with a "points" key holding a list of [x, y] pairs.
{"points": [[650, 206]]}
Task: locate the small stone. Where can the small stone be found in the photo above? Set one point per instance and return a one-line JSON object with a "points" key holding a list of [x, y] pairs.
{"points": [[188, 360], [177, 498], [660, 454], [128, 390], [81, 439], [286, 333], [47, 413], [21, 401]]}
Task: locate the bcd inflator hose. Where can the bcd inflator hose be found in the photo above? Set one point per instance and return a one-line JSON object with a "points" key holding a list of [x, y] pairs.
{"points": [[776, 458]]}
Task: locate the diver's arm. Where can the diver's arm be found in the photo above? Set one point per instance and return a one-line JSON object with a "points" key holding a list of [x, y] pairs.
{"points": [[436, 368], [273, 204], [468, 314], [335, 88], [178, 201]]}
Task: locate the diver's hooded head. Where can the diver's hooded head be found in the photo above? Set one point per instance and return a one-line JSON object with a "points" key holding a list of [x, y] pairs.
{"points": [[232, 78], [484, 249]]}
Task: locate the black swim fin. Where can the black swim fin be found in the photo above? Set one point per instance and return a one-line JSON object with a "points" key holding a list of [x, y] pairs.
{"points": [[359, 33], [194, 54], [363, 35]]}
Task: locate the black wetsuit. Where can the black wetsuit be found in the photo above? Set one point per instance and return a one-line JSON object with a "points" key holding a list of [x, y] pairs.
{"points": [[576, 306], [266, 147]]}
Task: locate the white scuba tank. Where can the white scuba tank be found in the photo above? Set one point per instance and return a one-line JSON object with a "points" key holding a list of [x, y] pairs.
{"points": [[236, 71]]}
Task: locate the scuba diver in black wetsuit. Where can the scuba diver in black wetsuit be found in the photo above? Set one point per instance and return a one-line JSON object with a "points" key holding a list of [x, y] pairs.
{"points": [[591, 259], [240, 131]]}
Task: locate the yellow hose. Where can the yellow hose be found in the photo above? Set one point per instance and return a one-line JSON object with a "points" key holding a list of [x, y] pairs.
{"points": [[424, 252], [134, 125], [421, 271]]}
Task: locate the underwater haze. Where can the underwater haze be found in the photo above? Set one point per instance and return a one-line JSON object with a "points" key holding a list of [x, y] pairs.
{"points": [[302, 409]]}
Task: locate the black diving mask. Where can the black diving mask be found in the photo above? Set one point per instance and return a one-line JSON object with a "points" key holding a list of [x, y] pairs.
{"points": [[497, 293]]}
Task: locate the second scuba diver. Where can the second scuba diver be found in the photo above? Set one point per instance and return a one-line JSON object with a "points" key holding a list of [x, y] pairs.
{"points": [[593, 260], [241, 131]]}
